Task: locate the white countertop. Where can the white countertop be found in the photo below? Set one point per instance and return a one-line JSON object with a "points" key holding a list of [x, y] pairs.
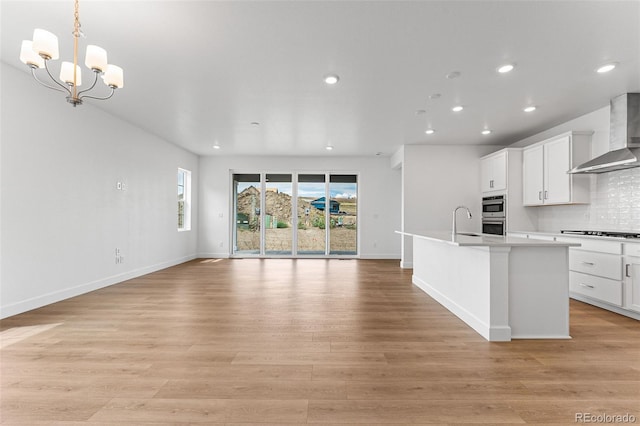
{"points": [[487, 240], [591, 237]]}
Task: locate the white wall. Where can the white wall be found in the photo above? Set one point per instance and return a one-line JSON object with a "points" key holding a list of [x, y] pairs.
{"points": [[615, 196], [62, 216], [378, 202], [437, 179]]}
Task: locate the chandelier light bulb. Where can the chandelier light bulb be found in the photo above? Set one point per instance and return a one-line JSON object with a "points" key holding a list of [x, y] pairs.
{"points": [[96, 58], [28, 56], [114, 77], [45, 44], [66, 74]]}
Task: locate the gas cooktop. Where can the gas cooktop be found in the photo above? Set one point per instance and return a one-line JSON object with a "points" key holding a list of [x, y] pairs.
{"points": [[615, 234]]}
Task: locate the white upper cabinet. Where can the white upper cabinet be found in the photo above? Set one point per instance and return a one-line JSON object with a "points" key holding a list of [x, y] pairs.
{"points": [[494, 172], [532, 176], [544, 170]]}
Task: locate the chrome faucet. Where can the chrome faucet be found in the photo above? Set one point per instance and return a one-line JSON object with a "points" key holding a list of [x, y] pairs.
{"points": [[454, 230]]}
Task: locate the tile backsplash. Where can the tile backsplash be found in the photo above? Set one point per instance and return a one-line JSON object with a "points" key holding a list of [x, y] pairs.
{"points": [[615, 206]]}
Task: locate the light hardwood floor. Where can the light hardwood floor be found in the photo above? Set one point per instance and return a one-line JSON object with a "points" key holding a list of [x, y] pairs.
{"points": [[283, 341]]}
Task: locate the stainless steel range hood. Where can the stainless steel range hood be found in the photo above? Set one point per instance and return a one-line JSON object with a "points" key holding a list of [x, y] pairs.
{"points": [[624, 138]]}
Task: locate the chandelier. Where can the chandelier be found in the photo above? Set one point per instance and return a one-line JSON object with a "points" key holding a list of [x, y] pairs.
{"points": [[38, 52]]}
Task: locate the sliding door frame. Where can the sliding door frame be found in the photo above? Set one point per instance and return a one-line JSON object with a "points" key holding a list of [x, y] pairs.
{"points": [[294, 215]]}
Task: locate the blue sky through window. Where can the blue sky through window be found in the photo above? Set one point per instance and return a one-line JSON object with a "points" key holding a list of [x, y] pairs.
{"points": [[309, 190]]}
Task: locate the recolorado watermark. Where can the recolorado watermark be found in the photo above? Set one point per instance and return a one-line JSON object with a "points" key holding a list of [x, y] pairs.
{"points": [[604, 418]]}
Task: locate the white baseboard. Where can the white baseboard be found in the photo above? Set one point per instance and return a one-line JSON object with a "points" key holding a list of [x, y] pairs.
{"points": [[57, 296], [381, 256], [362, 256], [213, 255], [603, 305], [406, 265], [494, 334]]}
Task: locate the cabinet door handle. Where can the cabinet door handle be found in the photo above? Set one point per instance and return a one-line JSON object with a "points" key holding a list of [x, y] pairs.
{"points": [[540, 195], [586, 285], [491, 183], [626, 270], [588, 263], [546, 195]]}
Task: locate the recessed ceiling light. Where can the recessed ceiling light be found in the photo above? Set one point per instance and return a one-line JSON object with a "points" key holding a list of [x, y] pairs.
{"points": [[503, 69], [255, 123], [328, 148], [331, 79], [453, 74], [530, 108], [216, 146], [434, 96], [429, 131], [457, 108], [486, 132], [606, 68]]}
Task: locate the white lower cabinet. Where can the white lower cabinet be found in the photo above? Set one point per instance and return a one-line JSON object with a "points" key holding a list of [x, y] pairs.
{"points": [[605, 273], [604, 265], [632, 277], [595, 270], [596, 287], [602, 272]]}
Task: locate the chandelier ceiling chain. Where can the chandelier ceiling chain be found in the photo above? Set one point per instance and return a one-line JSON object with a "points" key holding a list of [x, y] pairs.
{"points": [[38, 52]]}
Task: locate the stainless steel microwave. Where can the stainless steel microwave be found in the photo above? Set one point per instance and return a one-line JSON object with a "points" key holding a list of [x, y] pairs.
{"points": [[495, 206]]}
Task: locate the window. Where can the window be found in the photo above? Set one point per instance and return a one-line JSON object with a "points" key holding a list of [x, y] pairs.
{"points": [[184, 200], [295, 214]]}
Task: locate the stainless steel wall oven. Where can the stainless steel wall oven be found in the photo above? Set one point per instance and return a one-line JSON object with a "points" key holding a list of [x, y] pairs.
{"points": [[494, 215]]}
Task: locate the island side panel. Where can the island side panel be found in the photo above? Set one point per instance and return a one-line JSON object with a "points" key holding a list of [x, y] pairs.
{"points": [[458, 278], [539, 292]]}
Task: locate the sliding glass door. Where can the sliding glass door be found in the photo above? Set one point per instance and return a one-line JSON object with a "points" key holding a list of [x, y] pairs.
{"points": [[278, 219], [311, 214], [303, 214], [247, 199], [343, 216]]}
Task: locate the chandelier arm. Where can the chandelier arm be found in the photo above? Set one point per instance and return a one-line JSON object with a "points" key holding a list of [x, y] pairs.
{"points": [[95, 80], [101, 99], [66, 89], [33, 73]]}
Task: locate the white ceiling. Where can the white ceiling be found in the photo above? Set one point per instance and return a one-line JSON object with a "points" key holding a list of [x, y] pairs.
{"points": [[200, 72]]}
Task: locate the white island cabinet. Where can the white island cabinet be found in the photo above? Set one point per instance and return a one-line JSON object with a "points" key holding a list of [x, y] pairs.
{"points": [[503, 287]]}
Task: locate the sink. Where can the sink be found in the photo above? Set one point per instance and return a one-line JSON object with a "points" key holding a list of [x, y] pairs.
{"points": [[469, 234]]}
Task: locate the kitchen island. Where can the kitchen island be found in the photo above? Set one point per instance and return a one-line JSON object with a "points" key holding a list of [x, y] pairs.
{"points": [[503, 287]]}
